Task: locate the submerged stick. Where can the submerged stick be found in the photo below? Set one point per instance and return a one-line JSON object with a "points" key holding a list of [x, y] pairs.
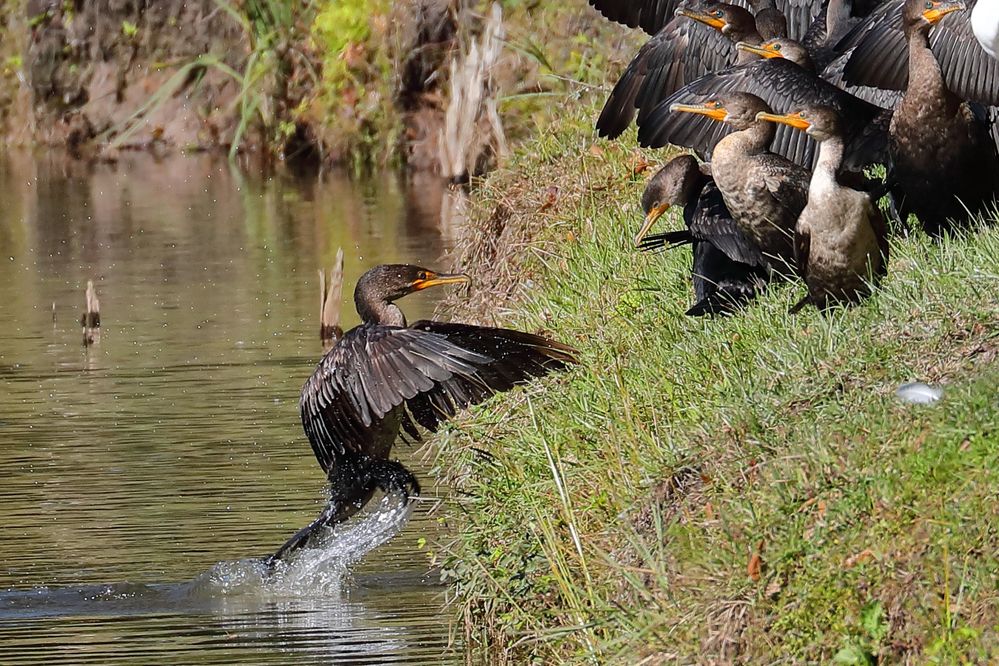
{"points": [[329, 302], [91, 319]]}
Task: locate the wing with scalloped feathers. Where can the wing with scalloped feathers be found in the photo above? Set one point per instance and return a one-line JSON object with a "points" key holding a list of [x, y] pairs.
{"points": [[432, 370]]}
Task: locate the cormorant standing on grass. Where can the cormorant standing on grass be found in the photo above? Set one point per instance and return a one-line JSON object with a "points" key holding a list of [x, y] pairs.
{"points": [[728, 268], [943, 149], [764, 192], [841, 238]]}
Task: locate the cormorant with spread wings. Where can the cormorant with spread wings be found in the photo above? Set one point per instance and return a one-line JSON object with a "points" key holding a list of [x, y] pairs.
{"points": [[385, 377]]}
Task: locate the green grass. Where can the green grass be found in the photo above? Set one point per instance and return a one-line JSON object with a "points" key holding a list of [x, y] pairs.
{"points": [[613, 514]]}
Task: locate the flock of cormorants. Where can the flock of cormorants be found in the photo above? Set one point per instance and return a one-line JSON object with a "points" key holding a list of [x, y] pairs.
{"points": [[790, 104], [787, 103]]}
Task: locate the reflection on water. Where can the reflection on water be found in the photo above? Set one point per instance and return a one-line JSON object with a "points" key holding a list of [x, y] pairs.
{"points": [[143, 475]]}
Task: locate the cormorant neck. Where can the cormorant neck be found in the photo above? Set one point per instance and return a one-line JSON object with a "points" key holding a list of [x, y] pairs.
{"points": [[750, 37], [830, 158], [757, 137], [374, 309], [925, 75]]}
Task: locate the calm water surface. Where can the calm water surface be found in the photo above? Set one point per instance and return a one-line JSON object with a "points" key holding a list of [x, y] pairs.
{"points": [[141, 476]]}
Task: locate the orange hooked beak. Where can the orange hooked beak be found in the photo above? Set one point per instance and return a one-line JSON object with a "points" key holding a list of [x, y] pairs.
{"points": [[650, 219], [436, 279], [795, 120], [766, 50], [937, 10], [713, 20], [713, 110]]}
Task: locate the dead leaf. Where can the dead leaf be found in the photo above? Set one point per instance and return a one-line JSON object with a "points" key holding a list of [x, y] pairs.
{"points": [[639, 164], [596, 150], [861, 557], [755, 564], [709, 511], [551, 196], [821, 505], [774, 587]]}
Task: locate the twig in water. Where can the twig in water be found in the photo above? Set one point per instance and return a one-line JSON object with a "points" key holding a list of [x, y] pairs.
{"points": [[91, 319], [329, 302]]}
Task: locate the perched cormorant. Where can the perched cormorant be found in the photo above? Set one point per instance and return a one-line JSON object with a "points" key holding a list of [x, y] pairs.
{"points": [[784, 79], [880, 55], [764, 192], [384, 377], [728, 268], [944, 158], [840, 239]]}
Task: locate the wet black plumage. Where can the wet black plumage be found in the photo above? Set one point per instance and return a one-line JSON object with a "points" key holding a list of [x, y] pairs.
{"points": [[728, 269], [385, 377]]}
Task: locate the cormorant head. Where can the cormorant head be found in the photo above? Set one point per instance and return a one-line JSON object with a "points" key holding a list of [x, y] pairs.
{"points": [[674, 185], [737, 109], [788, 49], [819, 122], [730, 20], [921, 14], [384, 284]]}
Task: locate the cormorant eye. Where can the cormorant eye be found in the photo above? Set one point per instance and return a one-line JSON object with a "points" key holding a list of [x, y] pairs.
{"points": [[718, 13], [801, 114], [929, 5], [718, 105], [777, 47], [422, 275]]}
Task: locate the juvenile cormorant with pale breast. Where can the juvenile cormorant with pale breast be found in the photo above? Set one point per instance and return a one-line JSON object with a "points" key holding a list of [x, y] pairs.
{"points": [[764, 192], [840, 238]]}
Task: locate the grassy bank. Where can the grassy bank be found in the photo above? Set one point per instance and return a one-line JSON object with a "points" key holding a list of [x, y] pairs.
{"points": [[712, 490]]}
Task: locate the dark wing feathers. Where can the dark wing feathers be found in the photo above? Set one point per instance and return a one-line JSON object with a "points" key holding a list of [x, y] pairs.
{"points": [[650, 15], [679, 53], [800, 14], [782, 84], [433, 369], [880, 56]]}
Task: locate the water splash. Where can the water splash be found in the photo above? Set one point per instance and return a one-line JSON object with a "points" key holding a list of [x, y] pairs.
{"points": [[322, 570]]}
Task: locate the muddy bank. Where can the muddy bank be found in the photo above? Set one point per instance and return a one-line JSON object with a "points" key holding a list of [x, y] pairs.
{"points": [[89, 69], [102, 76]]}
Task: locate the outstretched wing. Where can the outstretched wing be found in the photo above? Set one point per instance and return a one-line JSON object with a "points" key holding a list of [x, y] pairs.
{"points": [[652, 15], [679, 53], [433, 368], [784, 86]]}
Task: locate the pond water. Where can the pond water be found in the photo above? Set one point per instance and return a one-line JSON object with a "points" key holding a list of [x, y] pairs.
{"points": [[142, 476]]}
